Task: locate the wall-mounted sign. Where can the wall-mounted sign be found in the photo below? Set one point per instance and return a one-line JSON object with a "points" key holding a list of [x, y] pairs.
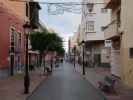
{"points": [[108, 43]]}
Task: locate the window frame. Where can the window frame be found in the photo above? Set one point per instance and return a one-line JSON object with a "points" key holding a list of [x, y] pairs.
{"points": [[90, 26]]}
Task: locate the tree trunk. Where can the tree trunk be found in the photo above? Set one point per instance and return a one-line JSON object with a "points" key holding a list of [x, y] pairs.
{"points": [[44, 68], [42, 61], [51, 64], [44, 65]]}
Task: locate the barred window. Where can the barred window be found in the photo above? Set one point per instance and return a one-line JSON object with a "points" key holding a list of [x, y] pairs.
{"points": [[90, 27]]}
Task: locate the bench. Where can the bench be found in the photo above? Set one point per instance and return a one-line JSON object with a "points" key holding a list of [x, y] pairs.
{"points": [[108, 85]]}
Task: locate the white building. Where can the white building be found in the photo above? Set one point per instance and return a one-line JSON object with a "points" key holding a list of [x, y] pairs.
{"points": [[94, 17]]}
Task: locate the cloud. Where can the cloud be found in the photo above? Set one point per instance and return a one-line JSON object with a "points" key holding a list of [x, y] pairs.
{"points": [[65, 24]]}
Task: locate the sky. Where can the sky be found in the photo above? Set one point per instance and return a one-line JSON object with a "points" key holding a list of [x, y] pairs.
{"points": [[65, 24]]}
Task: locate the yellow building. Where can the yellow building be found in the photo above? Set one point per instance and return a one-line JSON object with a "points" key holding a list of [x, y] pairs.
{"points": [[127, 41], [112, 33], [119, 31]]}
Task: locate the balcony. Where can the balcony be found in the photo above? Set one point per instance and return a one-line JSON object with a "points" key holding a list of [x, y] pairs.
{"points": [[111, 30], [112, 4], [94, 36], [34, 14]]}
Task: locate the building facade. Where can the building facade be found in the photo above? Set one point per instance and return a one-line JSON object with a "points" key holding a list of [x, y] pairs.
{"points": [[112, 33], [94, 17], [119, 31], [11, 37], [13, 15]]}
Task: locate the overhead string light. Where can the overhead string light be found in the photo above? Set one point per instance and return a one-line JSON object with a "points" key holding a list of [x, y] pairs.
{"points": [[57, 8], [61, 8]]}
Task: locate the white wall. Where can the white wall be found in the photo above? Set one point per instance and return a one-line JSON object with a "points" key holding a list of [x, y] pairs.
{"points": [[101, 19]]}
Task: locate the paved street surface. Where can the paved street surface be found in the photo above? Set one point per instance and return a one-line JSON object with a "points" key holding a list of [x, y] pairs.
{"points": [[12, 88], [65, 84], [94, 75]]}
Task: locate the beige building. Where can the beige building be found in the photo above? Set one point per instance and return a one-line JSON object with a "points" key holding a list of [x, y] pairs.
{"points": [[112, 33], [119, 31]]}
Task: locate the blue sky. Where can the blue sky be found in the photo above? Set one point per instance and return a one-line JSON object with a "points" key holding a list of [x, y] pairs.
{"points": [[65, 24]]}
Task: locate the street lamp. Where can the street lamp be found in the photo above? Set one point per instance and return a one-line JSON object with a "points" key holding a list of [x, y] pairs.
{"points": [[74, 50], [26, 27], [83, 44]]}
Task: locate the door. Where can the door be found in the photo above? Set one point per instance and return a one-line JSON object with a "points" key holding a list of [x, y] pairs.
{"points": [[115, 63]]}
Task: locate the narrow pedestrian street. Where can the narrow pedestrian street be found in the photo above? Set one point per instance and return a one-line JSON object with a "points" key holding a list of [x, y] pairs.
{"points": [[66, 84]]}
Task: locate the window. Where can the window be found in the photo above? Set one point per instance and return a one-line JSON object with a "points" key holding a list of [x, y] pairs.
{"points": [[12, 30], [27, 9], [15, 38], [131, 53], [103, 10], [20, 38], [119, 18], [90, 26]]}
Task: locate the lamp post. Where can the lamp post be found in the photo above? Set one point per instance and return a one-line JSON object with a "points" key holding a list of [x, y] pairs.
{"points": [[74, 50], [26, 27], [83, 54]]}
